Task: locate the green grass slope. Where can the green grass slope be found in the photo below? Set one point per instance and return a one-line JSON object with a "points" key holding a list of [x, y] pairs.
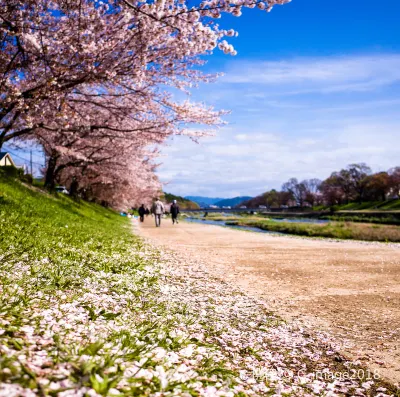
{"points": [[233, 202], [81, 309], [86, 309]]}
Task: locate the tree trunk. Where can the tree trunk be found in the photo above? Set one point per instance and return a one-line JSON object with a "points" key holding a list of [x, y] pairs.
{"points": [[73, 189], [49, 181]]}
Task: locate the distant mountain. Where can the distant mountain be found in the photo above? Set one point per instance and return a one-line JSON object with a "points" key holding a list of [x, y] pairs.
{"points": [[232, 202], [220, 202], [204, 201]]}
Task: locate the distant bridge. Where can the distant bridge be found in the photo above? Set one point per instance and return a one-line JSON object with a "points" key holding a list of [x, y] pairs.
{"points": [[220, 210]]}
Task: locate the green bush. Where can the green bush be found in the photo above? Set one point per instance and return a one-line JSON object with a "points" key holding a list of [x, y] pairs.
{"points": [[16, 173], [26, 178], [10, 171]]}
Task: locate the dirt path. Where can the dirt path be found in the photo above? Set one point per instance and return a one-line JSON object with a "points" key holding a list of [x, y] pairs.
{"points": [[349, 289]]}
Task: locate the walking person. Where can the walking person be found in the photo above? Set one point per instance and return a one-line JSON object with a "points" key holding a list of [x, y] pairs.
{"points": [[158, 210], [141, 211], [174, 210]]}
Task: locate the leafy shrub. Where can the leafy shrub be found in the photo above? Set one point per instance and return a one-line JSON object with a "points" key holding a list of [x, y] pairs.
{"points": [[10, 171], [26, 178]]}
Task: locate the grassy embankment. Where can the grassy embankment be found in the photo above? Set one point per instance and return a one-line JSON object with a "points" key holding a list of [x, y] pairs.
{"points": [[340, 230], [389, 205], [377, 212], [80, 305]]}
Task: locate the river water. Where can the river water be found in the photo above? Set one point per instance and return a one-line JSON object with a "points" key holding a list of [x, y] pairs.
{"points": [[222, 223], [206, 221]]}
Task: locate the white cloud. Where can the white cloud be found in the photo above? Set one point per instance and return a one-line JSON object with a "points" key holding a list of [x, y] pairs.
{"points": [[356, 73], [241, 137], [253, 166], [281, 126]]}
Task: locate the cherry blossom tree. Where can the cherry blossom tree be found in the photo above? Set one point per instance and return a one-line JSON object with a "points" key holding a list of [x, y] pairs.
{"points": [[90, 72], [114, 181]]}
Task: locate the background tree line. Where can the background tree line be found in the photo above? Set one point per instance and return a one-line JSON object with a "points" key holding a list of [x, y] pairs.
{"points": [[355, 183]]}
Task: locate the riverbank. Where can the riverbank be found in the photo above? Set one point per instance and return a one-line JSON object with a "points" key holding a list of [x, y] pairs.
{"points": [[367, 216], [382, 219], [309, 227], [337, 230], [345, 288]]}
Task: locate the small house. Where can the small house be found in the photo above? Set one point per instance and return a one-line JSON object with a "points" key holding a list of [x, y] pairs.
{"points": [[6, 160]]}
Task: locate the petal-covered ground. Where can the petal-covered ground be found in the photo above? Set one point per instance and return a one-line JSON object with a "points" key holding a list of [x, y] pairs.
{"points": [[349, 289], [88, 309], [270, 356]]}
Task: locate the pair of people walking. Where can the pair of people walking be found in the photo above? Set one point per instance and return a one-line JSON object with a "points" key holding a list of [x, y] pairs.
{"points": [[158, 210]]}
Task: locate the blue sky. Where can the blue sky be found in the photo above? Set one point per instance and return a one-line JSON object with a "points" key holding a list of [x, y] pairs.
{"points": [[314, 87]]}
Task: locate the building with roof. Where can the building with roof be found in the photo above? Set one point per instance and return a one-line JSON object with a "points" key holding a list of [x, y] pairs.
{"points": [[6, 160]]}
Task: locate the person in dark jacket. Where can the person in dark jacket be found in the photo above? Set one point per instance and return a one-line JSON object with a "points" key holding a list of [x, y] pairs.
{"points": [[174, 210], [142, 211]]}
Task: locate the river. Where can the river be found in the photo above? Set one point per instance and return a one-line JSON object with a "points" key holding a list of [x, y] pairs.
{"points": [[205, 221]]}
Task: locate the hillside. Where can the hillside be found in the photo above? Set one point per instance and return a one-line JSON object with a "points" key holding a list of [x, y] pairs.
{"points": [[232, 202], [254, 202], [183, 203], [67, 271], [204, 201], [84, 309]]}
